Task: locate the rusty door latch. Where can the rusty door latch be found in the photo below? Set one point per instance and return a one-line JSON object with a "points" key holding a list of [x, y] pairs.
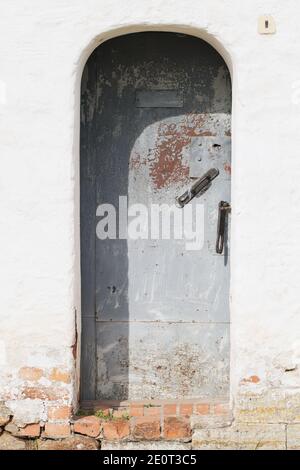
{"points": [[224, 208], [199, 187]]}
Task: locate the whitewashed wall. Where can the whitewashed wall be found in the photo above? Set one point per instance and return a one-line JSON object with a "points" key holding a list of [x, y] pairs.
{"points": [[43, 49]]}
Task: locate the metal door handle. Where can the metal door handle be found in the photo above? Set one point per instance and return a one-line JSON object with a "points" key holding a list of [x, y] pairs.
{"points": [[201, 185], [224, 208]]}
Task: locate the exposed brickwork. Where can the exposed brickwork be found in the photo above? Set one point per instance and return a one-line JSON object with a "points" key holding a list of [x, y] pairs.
{"points": [[221, 409], [88, 425], [105, 409], [252, 379], [45, 393], [116, 429], [177, 428], [31, 430], [146, 427], [59, 413], [170, 409], [196, 424], [58, 375], [56, 430], [120, 413], [31, 373], [202, 409], [149, 420], [152, 410], [136, 410], [186, 409]]}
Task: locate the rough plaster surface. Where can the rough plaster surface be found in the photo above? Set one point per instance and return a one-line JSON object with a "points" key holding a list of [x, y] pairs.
{"points": [[43, 48], [246, 437], [293, 437]]}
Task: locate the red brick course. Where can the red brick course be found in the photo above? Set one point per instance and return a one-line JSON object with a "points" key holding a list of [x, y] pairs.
{"points": [[177, 428], [136, 410], [202, 409], [116, 429], [146, 428], [186, 409], [31, 373], [88, 425], [148, 421], [57, 431], [170, 409], [31, 430], [59, 413]]}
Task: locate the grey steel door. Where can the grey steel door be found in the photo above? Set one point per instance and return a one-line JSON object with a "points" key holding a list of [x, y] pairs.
{"points": [[155, 116]]}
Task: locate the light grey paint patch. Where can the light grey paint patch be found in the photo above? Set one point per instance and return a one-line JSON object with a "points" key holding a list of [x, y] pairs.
{"points": [[207, 151]]}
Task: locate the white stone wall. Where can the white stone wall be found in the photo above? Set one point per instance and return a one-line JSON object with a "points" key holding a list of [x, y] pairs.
{"points": [[43, 49]]}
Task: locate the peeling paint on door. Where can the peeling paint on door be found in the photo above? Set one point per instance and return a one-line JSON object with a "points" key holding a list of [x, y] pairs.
{"points": [[155, 315]]}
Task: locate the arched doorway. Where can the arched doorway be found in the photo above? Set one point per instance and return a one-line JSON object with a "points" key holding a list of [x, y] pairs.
{"points": [[155, 118]]}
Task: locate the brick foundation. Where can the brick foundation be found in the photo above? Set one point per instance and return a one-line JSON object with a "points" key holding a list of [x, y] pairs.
{"points": [[150, 425], [149, 421]]}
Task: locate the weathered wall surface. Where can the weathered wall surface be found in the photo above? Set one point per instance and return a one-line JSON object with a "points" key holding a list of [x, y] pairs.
{"points": [[43, 48]]}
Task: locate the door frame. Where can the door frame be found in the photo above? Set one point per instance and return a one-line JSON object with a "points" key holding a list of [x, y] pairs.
{"points": [[85, 53]]}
